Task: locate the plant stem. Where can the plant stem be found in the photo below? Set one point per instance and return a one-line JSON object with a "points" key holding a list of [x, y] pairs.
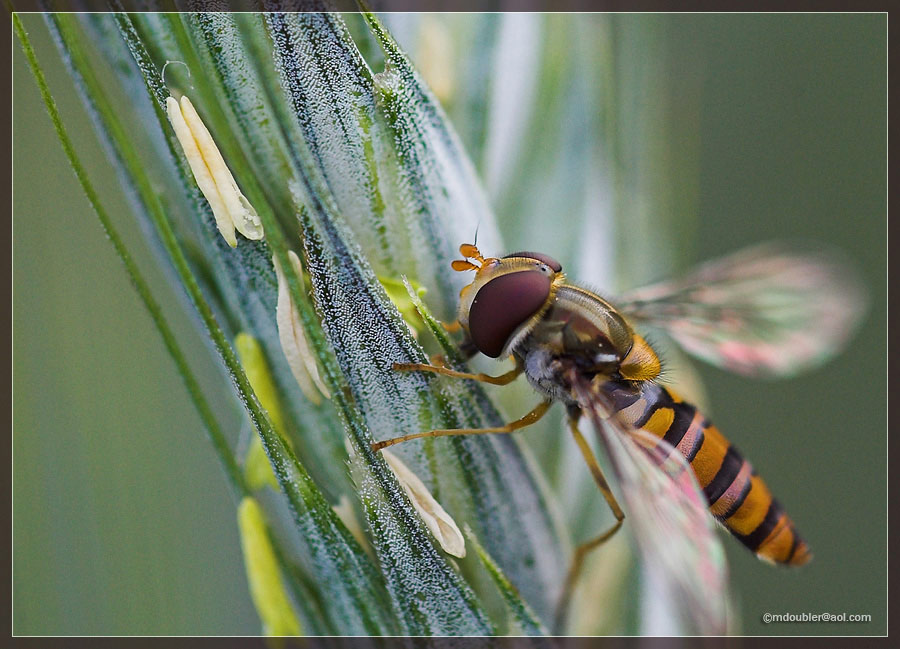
{"points": [[223, 451]]}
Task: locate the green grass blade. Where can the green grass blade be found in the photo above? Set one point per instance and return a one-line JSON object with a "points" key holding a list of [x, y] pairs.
{"points": [[522, 618], [342, 568]]}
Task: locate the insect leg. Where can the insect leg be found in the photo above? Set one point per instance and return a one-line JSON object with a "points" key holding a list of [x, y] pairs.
{"points": [[536, 413], [602, 484], [466, 348], [453, 327], [503, 379], [582, 550]]}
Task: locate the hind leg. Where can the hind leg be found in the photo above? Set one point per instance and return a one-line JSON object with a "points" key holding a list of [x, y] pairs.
{"points": [[585, 548]]}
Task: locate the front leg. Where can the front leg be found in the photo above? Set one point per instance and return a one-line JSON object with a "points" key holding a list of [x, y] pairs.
{"points": [[466, 348], [503, 379], [531, 417]]}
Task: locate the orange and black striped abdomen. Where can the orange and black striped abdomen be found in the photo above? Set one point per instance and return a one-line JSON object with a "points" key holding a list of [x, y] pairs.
{"points": [[737, 497]]}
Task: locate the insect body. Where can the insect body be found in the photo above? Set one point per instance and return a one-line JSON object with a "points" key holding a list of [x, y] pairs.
{"points": [[576, 332], [737, 497], [763, 312]]}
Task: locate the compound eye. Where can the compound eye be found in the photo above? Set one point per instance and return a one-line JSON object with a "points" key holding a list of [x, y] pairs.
{"points": [[502, 305], [544, 259]]}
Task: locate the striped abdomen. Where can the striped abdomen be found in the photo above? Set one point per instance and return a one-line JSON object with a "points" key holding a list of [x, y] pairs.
{"points": [[737, 497]]}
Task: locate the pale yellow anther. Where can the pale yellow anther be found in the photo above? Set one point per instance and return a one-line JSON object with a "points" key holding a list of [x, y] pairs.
{"points": [[438, 521], [230, 207], [293, 341], [267, 588], [257, 468]]}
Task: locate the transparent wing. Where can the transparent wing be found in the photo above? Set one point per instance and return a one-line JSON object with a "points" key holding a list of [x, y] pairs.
{"points": [[668, 516], [770, 310]]}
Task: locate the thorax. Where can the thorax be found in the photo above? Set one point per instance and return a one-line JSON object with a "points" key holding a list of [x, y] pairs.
{"points": [[580, 330]]}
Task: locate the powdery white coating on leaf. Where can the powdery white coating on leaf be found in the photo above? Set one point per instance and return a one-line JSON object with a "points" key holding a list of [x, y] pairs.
{"points": [[427, 595], [234, 50], [503, 491], [436, 188], [231, 43], [293, 340], [438, 521], [396, 170], [353, 597], [343, 572], [368, 335], [329, 89]]}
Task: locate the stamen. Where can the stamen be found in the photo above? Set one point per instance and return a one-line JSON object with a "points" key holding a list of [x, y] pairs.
{"points": [[436, 519], [230, 207]]}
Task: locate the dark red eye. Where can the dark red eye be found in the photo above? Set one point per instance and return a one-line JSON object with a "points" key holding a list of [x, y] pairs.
{"points": [[544, 259], [503, 304]]}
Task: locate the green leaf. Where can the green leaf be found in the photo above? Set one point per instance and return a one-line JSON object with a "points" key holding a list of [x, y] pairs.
{"points": [[349, 158], [522, 617], [426, 592], [487, 479], [427, 619], [351, 585], [393, 166]]}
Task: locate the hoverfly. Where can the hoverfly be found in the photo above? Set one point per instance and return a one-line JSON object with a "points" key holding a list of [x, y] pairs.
{"points": [[764, 311]]}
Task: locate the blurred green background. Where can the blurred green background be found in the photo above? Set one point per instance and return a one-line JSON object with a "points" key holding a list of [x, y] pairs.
{"points": [[122, 522]]}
